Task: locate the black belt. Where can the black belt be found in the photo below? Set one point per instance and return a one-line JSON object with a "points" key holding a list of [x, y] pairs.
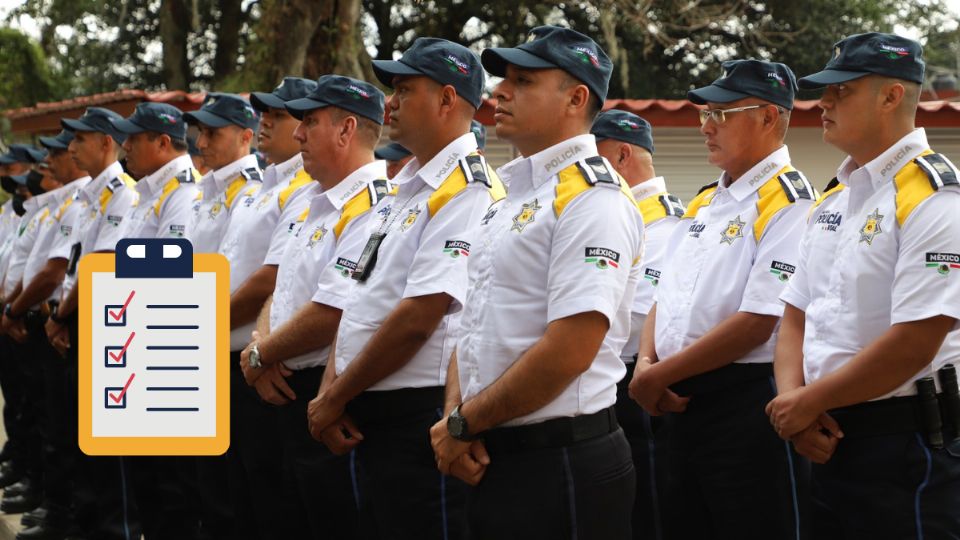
{"points": [[882, 417], [554, 433], [380, 406], [725, 377]]}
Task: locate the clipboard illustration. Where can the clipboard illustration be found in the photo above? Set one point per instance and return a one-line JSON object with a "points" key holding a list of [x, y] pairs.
{"points": [[154, 342]]}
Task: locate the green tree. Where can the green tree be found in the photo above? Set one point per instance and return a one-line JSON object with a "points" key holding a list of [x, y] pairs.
{"points": [[26, 76]]}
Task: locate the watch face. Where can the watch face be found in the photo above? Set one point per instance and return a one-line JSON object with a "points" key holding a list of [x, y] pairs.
{"points": [[457, 426]]}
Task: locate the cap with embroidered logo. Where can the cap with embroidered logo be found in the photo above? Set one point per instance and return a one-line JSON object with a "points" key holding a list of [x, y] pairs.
{"points": [[222, 110], [345, 93], [860, 55], [289, 89], [443, 61], [769, 81], [98, 120], [623, 126], [155, 118], [552, 47]]}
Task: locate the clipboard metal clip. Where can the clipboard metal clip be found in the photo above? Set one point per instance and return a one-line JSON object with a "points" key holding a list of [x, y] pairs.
{"points": [[154, 258]]}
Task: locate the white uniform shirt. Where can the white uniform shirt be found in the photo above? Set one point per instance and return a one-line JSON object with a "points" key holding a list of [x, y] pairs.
{"points": [[721, 265], [106, 200], [37, 209], [661, 213], [287, 189], [553, 248], [49, 231], [165, 209], [317, 261], [882, 249], [255, 223], [415, 259], [9, 222], [222, 192]]}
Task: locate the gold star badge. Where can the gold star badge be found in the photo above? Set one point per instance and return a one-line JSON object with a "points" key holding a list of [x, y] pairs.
{"points": [[733, 231], [525, 216], [871, 228]]}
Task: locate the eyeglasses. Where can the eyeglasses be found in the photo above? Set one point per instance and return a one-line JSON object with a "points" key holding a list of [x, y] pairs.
{"points": [[719, 115]]}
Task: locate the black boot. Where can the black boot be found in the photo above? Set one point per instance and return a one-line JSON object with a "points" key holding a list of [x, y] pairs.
{"points": [[34, 517], [20, 503]]}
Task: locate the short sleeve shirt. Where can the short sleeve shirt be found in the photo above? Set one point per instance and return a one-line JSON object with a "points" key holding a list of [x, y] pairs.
{"points": [[882, 248], [166, 202], [735, 249], [567, 239], [222, 192], [415, 259]]}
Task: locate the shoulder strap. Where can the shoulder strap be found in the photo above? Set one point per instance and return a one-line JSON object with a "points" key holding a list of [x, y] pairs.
{"points": [[921, 178], [703, 198], [360, 204], [167, 190], [788, 187], [301, 179], [473, 168], [583, 175], [234, 189]]}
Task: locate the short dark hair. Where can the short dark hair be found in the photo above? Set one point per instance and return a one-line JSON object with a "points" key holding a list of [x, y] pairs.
{"points": [[594, 105], [368, 130]]}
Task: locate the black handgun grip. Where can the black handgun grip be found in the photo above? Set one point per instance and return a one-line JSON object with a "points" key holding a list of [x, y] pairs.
{"points": [[930, 411], [949, 401]]}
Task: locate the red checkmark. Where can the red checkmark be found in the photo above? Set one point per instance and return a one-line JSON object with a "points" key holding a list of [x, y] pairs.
{"points": [[119, 398], [117, 316], [118, 357]]}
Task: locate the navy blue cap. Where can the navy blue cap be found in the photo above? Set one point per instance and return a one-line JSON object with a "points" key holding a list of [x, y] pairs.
{"points": [[96, 119], [480, 133], [60, 142], [623, 126], [290, 88], [860, 55], [554, 47], [769, 81], [345, 93], [221, 110], [156, 118], [391, 152], [443, 61], [23, 153]]}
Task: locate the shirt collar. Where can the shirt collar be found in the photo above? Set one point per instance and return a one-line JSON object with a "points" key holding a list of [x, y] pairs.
{"points": [[91, 191], [649, 188], [355, 182], [435, 171], [280, 172], [151, 185], [883, 168], [223, 176], [545, 164], [750, 181]]}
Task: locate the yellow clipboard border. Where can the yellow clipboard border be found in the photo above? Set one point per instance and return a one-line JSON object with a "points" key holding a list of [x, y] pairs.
{"points": [[153, 446]]}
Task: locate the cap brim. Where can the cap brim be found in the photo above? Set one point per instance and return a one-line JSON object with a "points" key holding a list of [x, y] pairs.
{"points": [[7, 159], [495, 60], [20, 179], [206, 118], [714, 94], [263, 101], [52, 143], [76, 125], [390, 154], [298, 107], [386, 70], [828, 77], [128, 127]]}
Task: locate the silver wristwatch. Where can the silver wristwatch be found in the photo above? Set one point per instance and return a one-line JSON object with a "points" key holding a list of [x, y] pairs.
{"points": [[254, 357]]}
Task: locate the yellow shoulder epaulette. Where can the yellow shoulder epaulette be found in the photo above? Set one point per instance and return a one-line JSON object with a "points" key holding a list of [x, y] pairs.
{"points": [[63, 208], [301, 179], [656, 208], [583, 175], [361, 203], [784, 189], [833, 187], [703, 198], [184, 177], [472, 168], [920, 179], [124, 180]]}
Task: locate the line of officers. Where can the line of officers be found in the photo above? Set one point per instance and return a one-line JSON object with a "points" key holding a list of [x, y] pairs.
{"points": [[441, 350]]}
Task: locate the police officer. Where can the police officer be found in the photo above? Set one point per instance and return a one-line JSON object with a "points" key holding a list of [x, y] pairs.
{"points": [[553, 270], [164, 488], [396, 157], [338, 134], [872, 309], [100, 509], [399, 322], [227, 123], [707, 347], [626, 141], [43, 274]]}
